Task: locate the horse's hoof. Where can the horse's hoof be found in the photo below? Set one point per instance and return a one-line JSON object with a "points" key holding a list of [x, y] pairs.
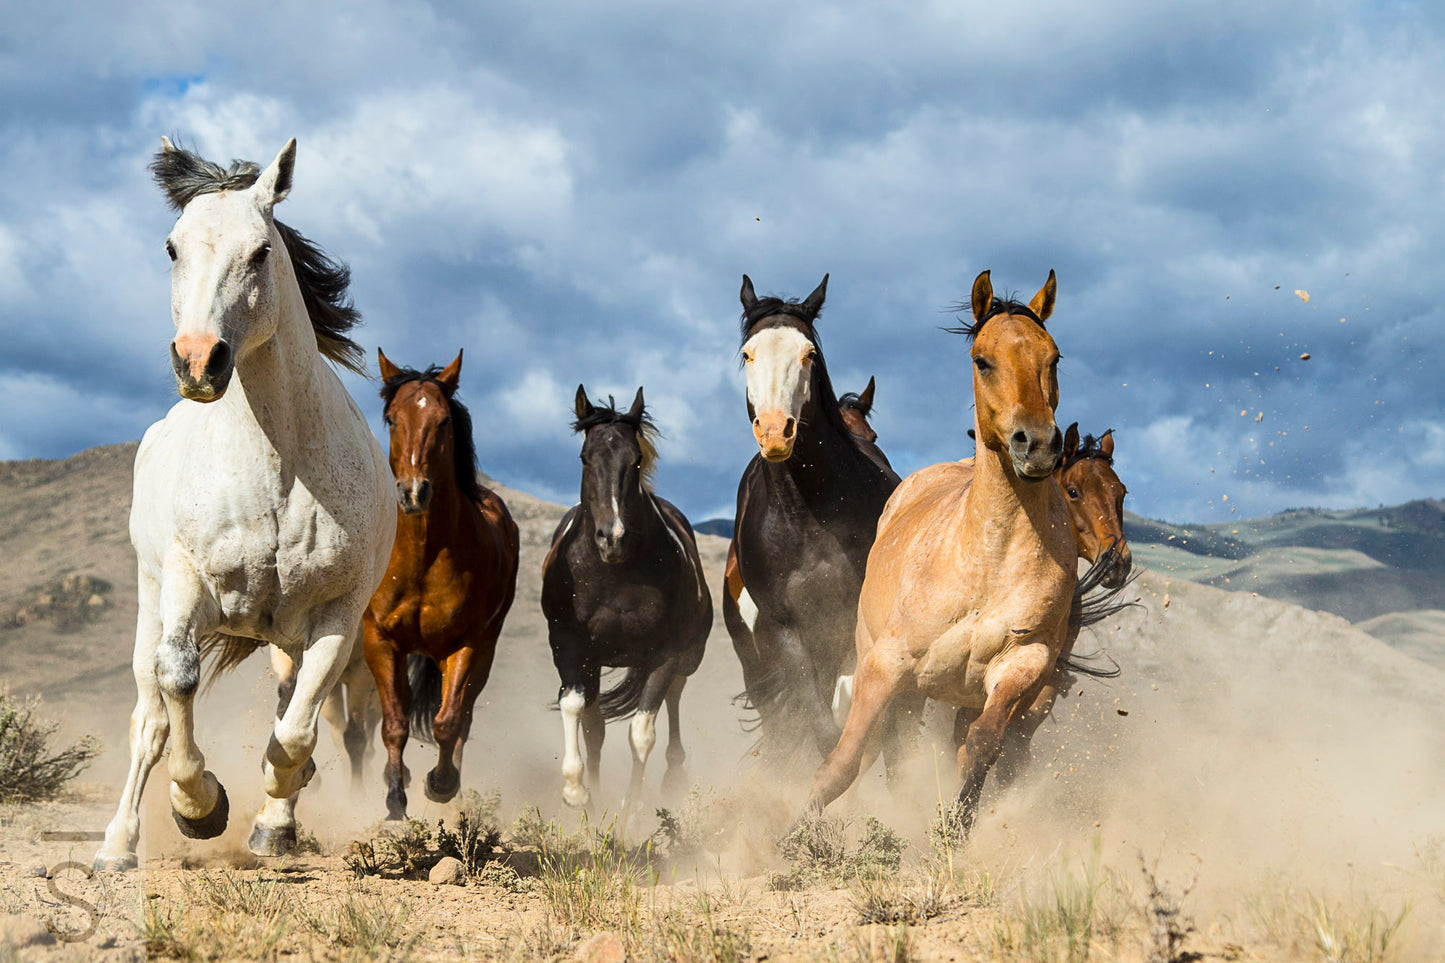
{"points": [[577, 797], [114, 864], [266, 841], [441, 792], [210, 825]]}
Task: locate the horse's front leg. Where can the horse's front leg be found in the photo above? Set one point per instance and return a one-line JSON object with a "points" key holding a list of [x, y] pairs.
{"points": [[463, 675], [1016, 680], [198, 801], [674, 781], [642, 732], [288, 765], [149, 728]]}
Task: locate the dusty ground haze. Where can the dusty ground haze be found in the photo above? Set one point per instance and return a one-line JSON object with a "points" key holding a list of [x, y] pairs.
{"points": [[1273, 752]]}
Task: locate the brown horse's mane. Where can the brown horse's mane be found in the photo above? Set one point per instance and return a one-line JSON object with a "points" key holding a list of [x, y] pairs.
{"points": [[643, 425], [184, 175], [463, 446], [1089, 447], [1009, 305]]}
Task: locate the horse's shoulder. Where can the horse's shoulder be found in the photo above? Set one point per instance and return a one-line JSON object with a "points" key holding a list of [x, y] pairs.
{"points": [[925, 491]]}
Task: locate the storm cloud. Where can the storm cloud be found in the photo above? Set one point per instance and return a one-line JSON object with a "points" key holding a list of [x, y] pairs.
{"points": [[572, 192]]}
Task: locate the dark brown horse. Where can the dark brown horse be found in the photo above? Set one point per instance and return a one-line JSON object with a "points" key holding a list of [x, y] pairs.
{"points": [[622, 586], [808, 506], [451, 580]]}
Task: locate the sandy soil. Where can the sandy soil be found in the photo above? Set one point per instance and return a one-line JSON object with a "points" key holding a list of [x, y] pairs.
{"points": [[1286, 762]]}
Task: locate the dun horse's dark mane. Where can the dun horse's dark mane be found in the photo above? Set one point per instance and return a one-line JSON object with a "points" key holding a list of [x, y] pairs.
{"points": [[647, 432], [184, 175], [463, 445], [1009, 305], [1090, 447]]}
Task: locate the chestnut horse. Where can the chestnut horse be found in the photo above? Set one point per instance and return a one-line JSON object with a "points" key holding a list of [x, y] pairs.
{"points": [[622, 586], [807, 508], [451, 580], [969, 587]]}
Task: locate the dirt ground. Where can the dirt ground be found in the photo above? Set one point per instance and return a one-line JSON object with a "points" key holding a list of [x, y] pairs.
{"points": [[1279, 772]]}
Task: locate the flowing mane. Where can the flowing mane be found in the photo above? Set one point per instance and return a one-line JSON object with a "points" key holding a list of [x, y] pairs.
{"points": [[184, 175], [643, 425], [463, 445], [999, 306]]}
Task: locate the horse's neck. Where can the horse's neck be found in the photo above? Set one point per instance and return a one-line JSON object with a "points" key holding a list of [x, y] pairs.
{"points": [[428, 534], [1003, 511], [821, 455], [281, 381]]}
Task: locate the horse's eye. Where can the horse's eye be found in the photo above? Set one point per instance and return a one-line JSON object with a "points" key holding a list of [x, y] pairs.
{"points": [[1073, 493], [747, 357], [170, 249], [387, 422], [982, 364], [259, 257]]}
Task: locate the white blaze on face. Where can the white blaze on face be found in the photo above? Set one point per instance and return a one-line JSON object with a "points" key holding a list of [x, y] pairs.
{"points": [[573, 792], [779, 363]]}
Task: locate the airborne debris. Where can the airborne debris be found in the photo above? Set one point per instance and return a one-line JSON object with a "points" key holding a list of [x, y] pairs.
{"points": [[1302, 294], [1259, 417], [1305, 356]]}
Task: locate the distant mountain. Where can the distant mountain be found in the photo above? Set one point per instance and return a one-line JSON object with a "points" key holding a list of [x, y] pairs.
{"points": [[1379, 568], [721, 527]]}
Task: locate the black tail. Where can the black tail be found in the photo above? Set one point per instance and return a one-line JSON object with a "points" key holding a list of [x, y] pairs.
{"points": [[426, 695], [1087, 611], [622, 700]]}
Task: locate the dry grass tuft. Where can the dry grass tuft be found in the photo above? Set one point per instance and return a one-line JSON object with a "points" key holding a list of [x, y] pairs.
{"points": [[29, 770], [818, 851]]}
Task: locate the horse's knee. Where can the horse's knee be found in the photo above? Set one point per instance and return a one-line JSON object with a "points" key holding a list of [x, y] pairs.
{"points": [[178, 667]]}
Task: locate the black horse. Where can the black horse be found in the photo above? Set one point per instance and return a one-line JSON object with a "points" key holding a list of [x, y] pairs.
{"points": [[622, 586], [808, 507]]}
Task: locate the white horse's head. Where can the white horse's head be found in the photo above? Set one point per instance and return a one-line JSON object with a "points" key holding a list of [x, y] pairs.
{"points": [[225, 252]]}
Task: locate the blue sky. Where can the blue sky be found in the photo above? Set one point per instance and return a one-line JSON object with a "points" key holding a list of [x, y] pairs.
{"points": [[572, 192]]}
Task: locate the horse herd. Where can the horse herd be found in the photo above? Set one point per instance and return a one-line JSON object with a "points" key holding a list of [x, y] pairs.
{"points": [[265, 513]]}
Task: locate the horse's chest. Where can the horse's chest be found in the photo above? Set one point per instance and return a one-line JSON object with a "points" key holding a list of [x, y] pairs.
{"points": [[621, 611]]}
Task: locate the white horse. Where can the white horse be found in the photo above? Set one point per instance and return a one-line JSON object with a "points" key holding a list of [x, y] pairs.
{"points": [[263, 505]]}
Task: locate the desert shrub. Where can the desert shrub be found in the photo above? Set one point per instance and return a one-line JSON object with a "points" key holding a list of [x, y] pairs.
{"points": [[29, 769], [818, 851]]}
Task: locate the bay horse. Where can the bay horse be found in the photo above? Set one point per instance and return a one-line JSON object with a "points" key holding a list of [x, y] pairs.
{"points": [[260, 504], [807, 509], [622, 586], [971, 580], [448, 586]]}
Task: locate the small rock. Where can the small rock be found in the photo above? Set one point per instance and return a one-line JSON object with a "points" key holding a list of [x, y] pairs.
{"points": [[21, 931], [37, 870], [601, 948], [448, 872]]}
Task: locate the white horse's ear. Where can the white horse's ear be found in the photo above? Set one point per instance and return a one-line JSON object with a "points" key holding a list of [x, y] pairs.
{"points": [[275, 181], [814, 301], [746, 295], [166, 146]]}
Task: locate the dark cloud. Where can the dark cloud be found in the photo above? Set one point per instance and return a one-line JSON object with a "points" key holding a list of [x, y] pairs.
{"points": [[572, 194]]}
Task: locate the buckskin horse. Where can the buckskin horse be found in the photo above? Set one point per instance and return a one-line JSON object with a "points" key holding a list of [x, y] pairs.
{"points": [[261, 499], [971, 580], [807, 508], [622, 586], [450, 582]]}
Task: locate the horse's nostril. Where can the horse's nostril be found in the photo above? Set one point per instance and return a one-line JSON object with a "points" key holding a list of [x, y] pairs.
{"points": [[1020, 437], [1057, 444], [789, 428], [219, 359]]}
